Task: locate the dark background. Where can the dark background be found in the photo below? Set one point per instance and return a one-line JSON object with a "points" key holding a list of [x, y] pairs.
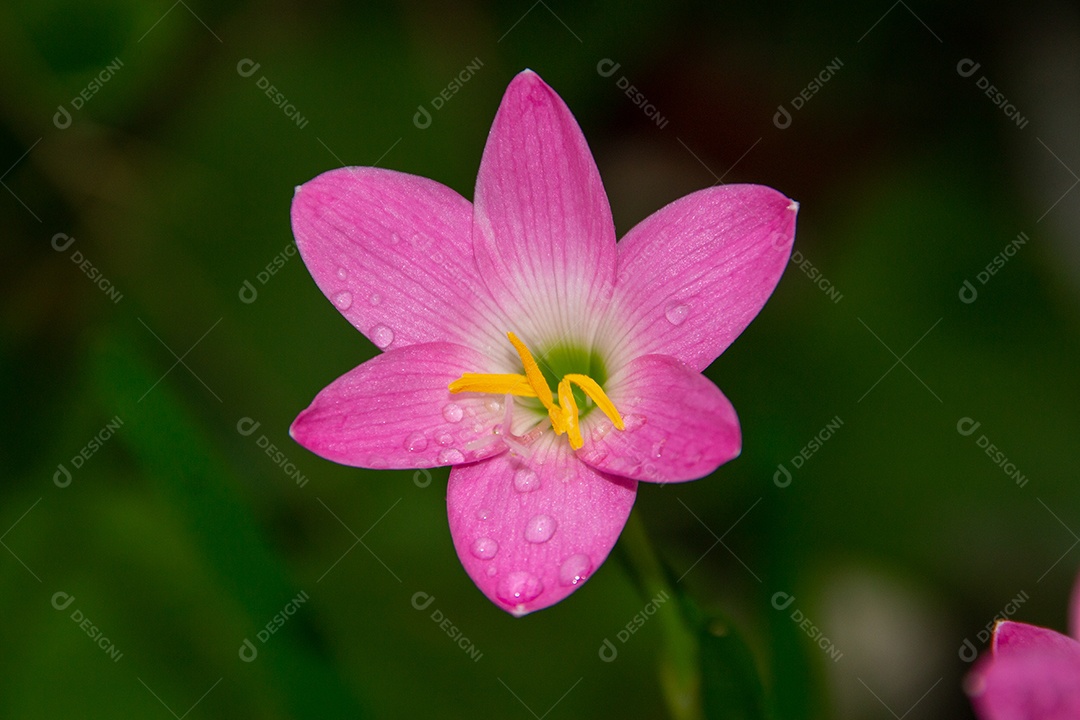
{"points": [[179, 538]]}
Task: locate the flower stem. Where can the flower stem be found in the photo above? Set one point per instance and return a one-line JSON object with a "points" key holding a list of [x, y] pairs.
{"points": [[679, 668]]}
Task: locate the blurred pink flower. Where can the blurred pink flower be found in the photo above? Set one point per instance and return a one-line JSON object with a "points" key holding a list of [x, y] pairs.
{"points": [[1032, 673], [511, 321]]}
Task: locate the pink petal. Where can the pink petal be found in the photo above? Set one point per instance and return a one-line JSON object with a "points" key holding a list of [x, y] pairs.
{"points": [[695, 273], [530, 532], [393, 252], [543, 234], [395, 411], [1017, 638], [679, 426], [1034, 674]]}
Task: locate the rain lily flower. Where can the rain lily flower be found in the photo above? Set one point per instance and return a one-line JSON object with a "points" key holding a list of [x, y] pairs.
{"points": [[1032, 673], [550, 367]]}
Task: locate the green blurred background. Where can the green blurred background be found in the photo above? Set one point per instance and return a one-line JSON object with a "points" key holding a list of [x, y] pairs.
{"points": [[143, 131]]}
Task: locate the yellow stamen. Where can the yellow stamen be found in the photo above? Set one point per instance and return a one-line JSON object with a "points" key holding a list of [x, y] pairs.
{"points": [[570, 413], [539, 385], [564, 415], [495, 384], [532, 372], [591, 388]]}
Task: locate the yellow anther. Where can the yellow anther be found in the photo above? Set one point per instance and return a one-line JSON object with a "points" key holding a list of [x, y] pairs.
{"points": [[496, 384], [532, 372], [570, 413], [591, 388]]}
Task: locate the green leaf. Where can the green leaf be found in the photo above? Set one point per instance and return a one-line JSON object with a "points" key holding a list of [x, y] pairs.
{"points": [[202, 487]]}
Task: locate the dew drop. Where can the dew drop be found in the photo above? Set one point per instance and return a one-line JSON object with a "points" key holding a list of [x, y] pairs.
{"points": [[451, 456], [416, 442], [375, 299], [382, 336], [658, 448], [676, 313], [483, 514], [343, 300], [575, 569], [601, 429], [452, 412], [632, 422], [525, 480], [485, 548], [445, 439], [491, 571], [519, 587], [342, 273], [394, 239], [540, 529]]}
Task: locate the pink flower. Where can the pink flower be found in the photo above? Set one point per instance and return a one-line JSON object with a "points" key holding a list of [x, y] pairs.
{"points": [[552, 368], [1032, 673]]}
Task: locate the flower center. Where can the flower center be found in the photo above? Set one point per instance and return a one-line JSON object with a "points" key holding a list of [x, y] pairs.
{"points": [[564, 414]]}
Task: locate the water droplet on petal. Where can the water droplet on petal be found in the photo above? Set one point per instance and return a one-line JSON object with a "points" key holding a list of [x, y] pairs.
{"points": [[633, 422], [343, 300], [485, 548], [540, 529], [382, 336], [658, 448], [394, 239], [575, 569], [375, 299], [342, 273], [483, 514], [452, 413], [519, 587], [445, 439], [676, 312], [416, 442], [525, 480], [601, 429], [451, 456]]}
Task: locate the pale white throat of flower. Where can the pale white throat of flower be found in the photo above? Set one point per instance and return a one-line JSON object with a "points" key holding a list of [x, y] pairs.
{"points": [[563, 415]]}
